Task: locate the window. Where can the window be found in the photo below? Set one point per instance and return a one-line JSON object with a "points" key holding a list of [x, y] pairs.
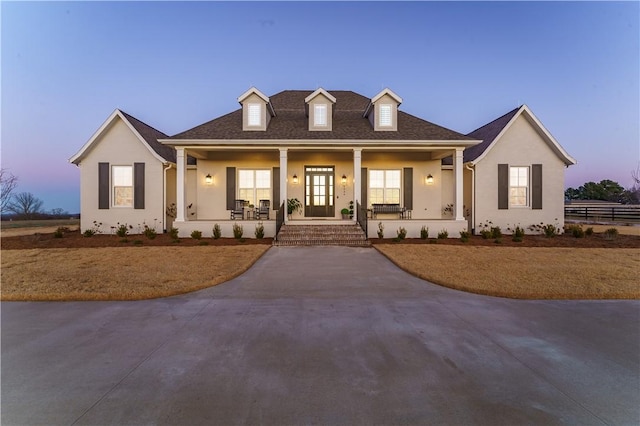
{"points": [[320, 115], [385, 115], [253, 114], [122, 182], [519, 186], [384, 186], [254, 185]]}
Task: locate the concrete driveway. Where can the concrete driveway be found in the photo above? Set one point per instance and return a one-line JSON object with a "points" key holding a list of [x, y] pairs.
{"points": [[322, 335]]}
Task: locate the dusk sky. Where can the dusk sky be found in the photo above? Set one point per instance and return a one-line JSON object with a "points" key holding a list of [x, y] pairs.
{"points": [[66, 67]]}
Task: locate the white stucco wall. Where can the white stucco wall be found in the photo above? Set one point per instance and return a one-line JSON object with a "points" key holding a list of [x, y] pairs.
{"points": [[119, 146], [521, 145]]}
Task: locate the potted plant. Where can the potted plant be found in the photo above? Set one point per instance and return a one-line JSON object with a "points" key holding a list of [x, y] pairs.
{"points": [[345, 213], [293, 205]]}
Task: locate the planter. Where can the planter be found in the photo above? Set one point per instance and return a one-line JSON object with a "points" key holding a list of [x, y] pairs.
{"points": [[345, 216]]}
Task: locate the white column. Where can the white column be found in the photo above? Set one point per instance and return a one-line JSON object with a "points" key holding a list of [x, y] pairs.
{"points": [[283, 181], [181, 184], [357, 186], [457, 168]]}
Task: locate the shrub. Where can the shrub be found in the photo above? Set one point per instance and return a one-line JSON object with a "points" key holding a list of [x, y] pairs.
{"points": [[149, 232], [59, 233], [196, 235], [611, 234], [122, 230], [589, 231], [549, 230], [576, 231], [486, 230], [402, 233], [237, 231], [380, 230], [259, 230], [173, 233], [464, 236], [496, 232], [516, 239], [444, 234], [217, 232], [90, 232], [424, 232]]}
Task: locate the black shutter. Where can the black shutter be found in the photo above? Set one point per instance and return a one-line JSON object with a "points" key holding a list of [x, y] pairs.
{"points": [[275, 179], [231, 188], [408, 188], [503, 186], [103, 185], [138, 185], [536, 187], [363, 188]]}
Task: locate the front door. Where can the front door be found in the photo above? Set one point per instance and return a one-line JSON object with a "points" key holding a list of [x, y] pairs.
{"points": [[318, 191]]}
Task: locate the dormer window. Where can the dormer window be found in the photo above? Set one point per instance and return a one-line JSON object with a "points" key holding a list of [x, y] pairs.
{"points": [[319, 109], [253, 114], [257, 110], [385, 115], [320, 115], [382, 111]]}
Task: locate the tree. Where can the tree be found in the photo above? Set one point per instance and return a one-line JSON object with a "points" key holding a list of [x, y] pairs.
{"points": [[8, 183], [25, 205], [606, 190]]}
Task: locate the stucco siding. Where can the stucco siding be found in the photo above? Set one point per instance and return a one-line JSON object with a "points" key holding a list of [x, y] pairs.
{"points": [[521, 145], [120, 147]]}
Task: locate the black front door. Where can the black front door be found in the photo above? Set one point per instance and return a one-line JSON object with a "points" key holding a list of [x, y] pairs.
{"points": [[319, 181]]}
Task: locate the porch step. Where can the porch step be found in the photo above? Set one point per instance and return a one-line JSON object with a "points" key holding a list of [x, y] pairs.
{"points": [[321, 235]]}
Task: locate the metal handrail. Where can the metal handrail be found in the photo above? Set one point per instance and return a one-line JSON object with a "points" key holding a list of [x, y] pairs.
{"points": [[363, 219], [279, 220]]}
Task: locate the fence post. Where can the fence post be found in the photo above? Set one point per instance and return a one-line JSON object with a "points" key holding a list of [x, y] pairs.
{"points": [[586, 213]]}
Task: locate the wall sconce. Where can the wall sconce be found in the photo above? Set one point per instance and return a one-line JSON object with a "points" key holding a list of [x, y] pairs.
{"points": [[295, 179], [429, 179], [208, 179], [344, 180]]}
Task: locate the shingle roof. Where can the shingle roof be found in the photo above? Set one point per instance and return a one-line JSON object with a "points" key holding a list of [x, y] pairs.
{"points": [[291, 122], [487, 134], [151, 136]]}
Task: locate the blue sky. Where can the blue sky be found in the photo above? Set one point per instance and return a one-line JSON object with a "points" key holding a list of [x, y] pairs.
{"points": [[67, 66]]}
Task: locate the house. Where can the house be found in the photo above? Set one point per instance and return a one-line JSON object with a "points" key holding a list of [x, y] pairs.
{"points": [[328, 149]]}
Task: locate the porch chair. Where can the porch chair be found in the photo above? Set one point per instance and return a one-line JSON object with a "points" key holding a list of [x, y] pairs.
{"points": [[263, 209], [238, 211]]}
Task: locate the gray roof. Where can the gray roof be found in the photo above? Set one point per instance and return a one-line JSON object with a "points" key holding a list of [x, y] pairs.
{"points": [[487, 134], [291, 122]]}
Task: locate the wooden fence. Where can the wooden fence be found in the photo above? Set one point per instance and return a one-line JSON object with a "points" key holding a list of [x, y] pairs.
{"points": [[602, 213]]}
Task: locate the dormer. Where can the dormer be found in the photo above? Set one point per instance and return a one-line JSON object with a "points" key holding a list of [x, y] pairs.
{"points": [[257, 111], [319, 110], [382, 111]]}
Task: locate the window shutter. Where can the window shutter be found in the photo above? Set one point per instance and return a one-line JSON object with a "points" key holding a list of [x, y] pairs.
{"points": [[275, 178], [503, 186], [364, 187], [408, 188], [536, 186], [231, 188], [138, 185], [103, 185]]}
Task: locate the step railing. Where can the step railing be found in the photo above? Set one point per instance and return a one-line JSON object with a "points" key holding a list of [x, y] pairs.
{"points": [[363, 219], [279, 220]]}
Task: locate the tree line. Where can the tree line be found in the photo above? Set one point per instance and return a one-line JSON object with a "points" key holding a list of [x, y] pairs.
{"points": [[607, 190], [23, 205]]}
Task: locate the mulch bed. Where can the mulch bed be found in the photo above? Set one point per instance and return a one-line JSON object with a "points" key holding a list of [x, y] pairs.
{"points": [[73, 239]]}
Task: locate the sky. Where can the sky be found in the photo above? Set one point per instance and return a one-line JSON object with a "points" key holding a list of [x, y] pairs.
{"points": [[67, 65]]}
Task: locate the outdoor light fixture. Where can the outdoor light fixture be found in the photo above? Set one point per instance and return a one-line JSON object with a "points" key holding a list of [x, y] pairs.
{"points": [[208, 179], [344, 180], [429, 179], [295, 179]]}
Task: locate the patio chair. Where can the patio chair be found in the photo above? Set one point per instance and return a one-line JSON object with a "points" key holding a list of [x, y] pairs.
{"points": [[238, 211], [263, 210]]}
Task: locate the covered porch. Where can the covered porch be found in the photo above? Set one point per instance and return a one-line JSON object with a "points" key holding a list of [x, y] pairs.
{"points": [[325, 180]]}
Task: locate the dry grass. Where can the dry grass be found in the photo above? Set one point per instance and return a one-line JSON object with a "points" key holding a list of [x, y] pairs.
{"points": [[127, 273], [524, 272]]}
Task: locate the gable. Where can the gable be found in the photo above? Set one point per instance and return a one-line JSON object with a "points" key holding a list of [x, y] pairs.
{"points": [[142, 133]]}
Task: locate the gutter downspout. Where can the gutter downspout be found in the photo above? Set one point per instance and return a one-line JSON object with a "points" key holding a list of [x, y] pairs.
{"points": [[473, 198], [164, 197]]}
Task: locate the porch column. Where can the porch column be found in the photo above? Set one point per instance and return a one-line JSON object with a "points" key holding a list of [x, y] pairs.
{"points": [[181, 181], [457, 168], [283, 181], [357, 187]]}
